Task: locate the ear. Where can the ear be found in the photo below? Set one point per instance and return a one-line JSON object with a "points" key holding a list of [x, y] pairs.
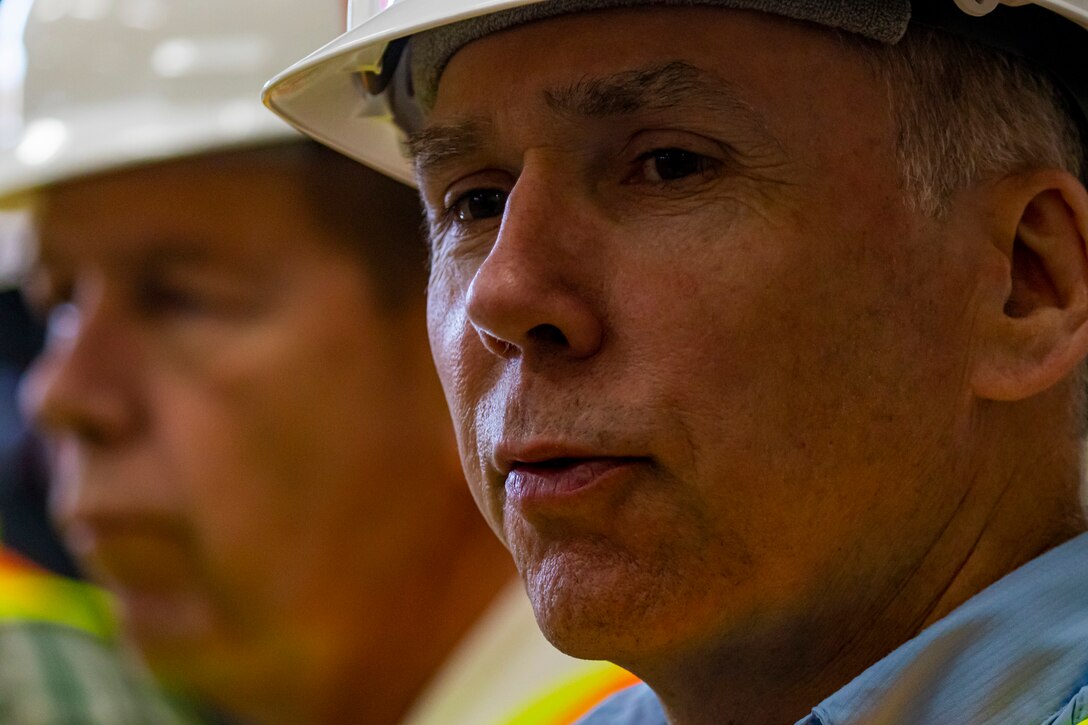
{"points": [[1033, 327]]}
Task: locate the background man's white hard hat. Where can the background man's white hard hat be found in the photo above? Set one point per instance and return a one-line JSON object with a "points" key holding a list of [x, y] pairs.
{"points": [[331, 95], [90, 85]]}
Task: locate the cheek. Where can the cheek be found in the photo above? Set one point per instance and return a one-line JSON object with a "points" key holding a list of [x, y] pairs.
{"points": [[461, 361], [785, 345], [468, 373], [258, 432], [279, 483], [447, 329], [229, 457], [725, 331]]}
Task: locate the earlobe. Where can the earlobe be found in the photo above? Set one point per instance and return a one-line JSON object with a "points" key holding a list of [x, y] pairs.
{"points": [[1037, 334]]}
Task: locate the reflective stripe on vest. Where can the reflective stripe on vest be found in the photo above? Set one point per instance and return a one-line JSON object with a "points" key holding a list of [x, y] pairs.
{"points": [[572, 699], [29, 593]]}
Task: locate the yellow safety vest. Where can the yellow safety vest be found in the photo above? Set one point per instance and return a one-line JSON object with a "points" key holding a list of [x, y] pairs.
{"points": [[572, 699], [29, 593]]}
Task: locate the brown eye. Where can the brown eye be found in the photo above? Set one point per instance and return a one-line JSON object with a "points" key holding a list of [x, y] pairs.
{"points": [[480, 204], [671, 164]]}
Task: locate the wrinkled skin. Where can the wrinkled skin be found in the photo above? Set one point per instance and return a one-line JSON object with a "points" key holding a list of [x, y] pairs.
{"points": [[677, 251]]}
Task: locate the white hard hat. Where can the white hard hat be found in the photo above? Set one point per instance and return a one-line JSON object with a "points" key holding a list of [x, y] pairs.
{"points": [[331, 94], [91, 85]]}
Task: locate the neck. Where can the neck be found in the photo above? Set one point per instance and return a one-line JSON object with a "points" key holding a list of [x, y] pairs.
{"points": [[348, 679], [1015, 508]]}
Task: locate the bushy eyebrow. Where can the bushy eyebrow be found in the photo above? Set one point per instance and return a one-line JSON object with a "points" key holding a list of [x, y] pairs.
{"points": [[661, 87], [434, 146]]}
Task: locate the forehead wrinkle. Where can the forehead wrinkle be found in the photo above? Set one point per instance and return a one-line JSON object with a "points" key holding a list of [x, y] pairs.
{"points": [[659, 87], [652, 88]]}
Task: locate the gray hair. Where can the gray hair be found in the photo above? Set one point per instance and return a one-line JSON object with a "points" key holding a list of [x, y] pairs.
{"points": [[965, 113]]}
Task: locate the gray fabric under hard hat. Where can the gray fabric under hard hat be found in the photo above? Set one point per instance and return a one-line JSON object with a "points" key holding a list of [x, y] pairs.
{"points": [[881, 20]]}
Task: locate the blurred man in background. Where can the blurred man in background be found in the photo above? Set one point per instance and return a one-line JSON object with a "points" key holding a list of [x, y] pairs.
{"points": [[250, 448], [763, 325], [59, 663]]}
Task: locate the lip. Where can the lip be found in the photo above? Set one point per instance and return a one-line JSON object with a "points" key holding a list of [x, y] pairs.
{"points": [[105, 526], [553, 476], [145, 552]]}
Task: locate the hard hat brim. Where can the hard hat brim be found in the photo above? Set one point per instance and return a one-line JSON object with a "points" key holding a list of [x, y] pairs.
{"points": [[323, 95], [53, 151], [350, 121]]}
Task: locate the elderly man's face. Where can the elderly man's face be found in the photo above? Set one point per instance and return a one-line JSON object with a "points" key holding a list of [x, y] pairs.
{"points": [[235, 418], [704, 363]]}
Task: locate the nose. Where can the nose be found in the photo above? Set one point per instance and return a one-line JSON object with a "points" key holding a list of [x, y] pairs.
{"points": [[534, 293], [82, 382]]}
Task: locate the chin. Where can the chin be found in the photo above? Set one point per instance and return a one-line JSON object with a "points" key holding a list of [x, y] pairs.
{"points": [[638, 601], [198, 669], [592, 602], [169, 630]]}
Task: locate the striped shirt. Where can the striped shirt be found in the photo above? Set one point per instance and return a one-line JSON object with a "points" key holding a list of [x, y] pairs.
{"points": [[52, 674], [1014, 654], [60, 663]]}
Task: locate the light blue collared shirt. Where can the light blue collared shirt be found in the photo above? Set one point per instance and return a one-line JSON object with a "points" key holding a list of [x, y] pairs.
{"points": [[1016, 653]]}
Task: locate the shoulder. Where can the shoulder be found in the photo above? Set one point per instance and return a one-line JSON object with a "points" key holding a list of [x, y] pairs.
{"points": [[637, 705], [1074, 713], [51, 673]]}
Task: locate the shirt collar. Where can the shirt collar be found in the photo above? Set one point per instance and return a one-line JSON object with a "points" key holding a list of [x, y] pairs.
{"points": [[1013, 653]]}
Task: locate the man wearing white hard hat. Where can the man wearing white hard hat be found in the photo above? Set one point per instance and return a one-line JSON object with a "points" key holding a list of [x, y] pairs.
{"points": [[763, 324], [251, 450]]}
